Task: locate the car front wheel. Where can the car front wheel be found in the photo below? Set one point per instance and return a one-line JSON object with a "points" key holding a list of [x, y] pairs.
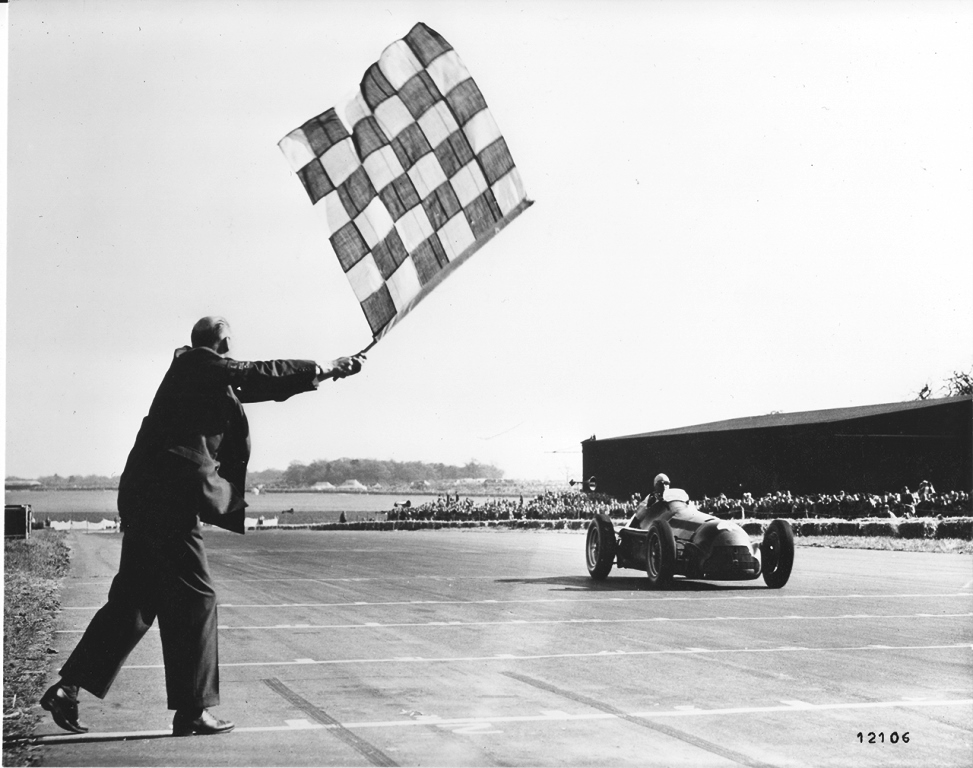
{"points": [[660, 554], [777, 553], [600, 548]]}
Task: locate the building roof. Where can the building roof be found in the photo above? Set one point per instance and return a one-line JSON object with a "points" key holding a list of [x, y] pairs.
{"points": [[800, 418]]}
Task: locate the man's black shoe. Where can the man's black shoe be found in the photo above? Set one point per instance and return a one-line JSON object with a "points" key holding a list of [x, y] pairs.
{"points": [[63, 708], [203, 723]]}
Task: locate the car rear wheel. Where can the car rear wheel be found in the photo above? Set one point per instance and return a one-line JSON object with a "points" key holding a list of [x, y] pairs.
{"points": [[600, 548], [660, 554], [777, 553]]}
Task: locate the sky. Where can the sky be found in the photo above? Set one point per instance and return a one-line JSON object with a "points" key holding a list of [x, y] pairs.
{"points": [[740, 207]]}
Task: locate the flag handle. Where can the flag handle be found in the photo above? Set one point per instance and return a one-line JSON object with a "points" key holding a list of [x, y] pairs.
{"points": [[359, 354]]}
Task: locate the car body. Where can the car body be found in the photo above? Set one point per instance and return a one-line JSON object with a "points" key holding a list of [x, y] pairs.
{"points": [[675, 539]]}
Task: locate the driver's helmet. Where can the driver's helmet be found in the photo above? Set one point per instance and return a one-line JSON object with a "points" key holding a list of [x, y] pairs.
{"points": [[661, 484]]}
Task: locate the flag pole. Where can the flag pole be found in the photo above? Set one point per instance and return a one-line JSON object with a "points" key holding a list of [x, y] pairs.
{"points": [[372, 344]]}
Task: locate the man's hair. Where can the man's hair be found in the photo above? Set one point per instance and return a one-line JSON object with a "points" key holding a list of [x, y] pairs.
{"points": [[209, 332]]}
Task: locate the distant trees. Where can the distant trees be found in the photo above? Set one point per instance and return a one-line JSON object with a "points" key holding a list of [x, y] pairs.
{"points": [[959, 383], [78, 481], [376, 471], [265, 477], [337, 471]]}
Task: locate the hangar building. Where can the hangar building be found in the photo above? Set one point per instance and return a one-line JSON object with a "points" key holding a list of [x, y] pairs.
{"points": [[869, 448]]}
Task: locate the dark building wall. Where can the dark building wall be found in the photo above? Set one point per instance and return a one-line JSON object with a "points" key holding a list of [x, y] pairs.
{"points": [[877, 453]]}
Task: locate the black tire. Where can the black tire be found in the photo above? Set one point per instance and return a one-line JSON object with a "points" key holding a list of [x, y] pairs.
{"points": [[600, 548], [777, 553], [660, 554]]}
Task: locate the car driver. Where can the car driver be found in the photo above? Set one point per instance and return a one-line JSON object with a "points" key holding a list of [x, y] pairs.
{"points": [[651, 503]]}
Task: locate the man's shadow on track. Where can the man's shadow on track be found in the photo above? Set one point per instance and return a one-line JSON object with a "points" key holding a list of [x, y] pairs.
{"points": [[631, 584]]}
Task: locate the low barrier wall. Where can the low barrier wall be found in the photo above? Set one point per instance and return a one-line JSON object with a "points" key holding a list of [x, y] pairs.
{"points": [[914, 528]]}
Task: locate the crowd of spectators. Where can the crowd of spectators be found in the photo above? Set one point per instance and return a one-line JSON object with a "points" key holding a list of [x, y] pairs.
{"points": [[840, 505], [570, 505], [574, 505]]}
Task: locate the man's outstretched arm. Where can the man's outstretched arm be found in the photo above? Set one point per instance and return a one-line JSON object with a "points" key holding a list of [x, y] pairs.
{"points": [[278, 380]]}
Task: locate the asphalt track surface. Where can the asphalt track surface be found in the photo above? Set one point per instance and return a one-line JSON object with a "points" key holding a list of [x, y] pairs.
{"points": [[494, 648]]}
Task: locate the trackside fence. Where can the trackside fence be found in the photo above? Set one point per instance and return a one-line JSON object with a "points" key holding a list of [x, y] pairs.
{"points": [[914, 528]]}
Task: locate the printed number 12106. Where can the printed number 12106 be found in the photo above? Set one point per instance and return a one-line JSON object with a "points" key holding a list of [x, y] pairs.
{"points": [[879, 738]]}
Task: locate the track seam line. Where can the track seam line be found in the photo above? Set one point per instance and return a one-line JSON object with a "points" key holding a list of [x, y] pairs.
{"points": [[373, 754], [667, 730]]}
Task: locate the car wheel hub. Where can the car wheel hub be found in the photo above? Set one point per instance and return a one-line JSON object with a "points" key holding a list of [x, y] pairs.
{"points": [[773, 547], [655, 555]]}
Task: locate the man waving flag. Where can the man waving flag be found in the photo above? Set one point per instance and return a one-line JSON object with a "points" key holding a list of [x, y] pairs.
{"points": [[411, 174]]}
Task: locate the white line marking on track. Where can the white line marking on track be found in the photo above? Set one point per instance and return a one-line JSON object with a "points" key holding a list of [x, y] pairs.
{"points": [[687, 711], [545, 716], [758, 594], [301, 725], [521, 622], [475, 729], [595, 655]]}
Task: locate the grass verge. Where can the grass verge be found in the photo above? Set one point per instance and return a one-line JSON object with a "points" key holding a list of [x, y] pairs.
{"points": [[32, 578], [945, 546]]}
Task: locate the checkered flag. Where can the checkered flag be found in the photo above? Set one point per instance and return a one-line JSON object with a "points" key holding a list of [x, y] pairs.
{"points": [[412, 175]]}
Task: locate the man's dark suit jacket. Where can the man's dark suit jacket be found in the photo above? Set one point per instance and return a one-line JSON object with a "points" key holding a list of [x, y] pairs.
{"points": [[190, 456]]}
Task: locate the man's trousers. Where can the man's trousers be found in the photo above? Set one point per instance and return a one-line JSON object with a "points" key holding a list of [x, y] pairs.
{"points": [[165, 577]]}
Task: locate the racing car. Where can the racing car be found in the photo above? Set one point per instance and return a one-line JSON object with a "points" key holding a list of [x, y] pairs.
{"points": [[676, 539]]}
